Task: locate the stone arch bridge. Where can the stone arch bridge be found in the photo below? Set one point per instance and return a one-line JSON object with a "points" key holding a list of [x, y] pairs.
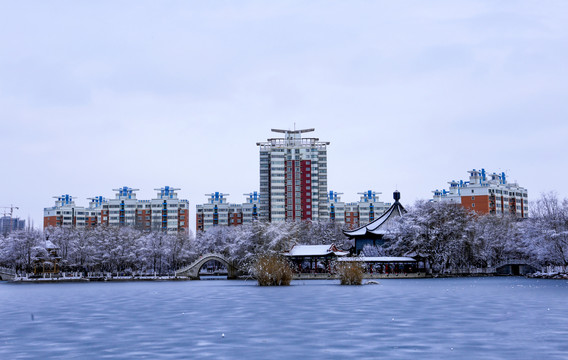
{"points": [[6, 274], [516, 267], [192, 270]]}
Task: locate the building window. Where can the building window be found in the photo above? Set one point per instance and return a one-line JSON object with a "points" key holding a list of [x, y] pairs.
{"points": [[473, 198], [472, 205]]}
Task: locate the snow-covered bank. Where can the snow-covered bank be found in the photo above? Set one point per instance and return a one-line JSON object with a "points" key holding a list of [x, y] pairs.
{"points": [[96, 279], [550, 275]]}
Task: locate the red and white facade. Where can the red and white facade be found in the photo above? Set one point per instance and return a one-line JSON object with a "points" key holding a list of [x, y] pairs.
{"points": [[293, 177], [64, 213], [487, 194]]}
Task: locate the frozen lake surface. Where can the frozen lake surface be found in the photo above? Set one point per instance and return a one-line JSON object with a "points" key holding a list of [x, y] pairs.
{"points": [[466, 318]]}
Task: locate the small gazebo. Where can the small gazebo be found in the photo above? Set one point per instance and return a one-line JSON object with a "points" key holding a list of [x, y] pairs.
{"points": [[48, 264]]}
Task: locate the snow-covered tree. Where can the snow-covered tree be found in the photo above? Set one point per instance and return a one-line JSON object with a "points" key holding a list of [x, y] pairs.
{"points": [[19, 249], [545, 235], [432, 228]]}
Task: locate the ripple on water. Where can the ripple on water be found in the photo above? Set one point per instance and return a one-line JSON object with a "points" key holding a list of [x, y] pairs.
{"points": [[489, 318]]}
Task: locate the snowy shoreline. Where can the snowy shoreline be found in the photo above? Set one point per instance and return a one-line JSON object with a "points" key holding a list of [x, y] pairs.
{"points": [[95, 279], [549, 275], [166, 278], [26, 280]]}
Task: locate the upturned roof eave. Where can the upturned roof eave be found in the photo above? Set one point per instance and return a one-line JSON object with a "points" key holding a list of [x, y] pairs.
{"points": [[375, 224]]}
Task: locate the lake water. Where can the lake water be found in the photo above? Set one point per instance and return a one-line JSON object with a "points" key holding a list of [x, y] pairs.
{"points": [[465, 318]]}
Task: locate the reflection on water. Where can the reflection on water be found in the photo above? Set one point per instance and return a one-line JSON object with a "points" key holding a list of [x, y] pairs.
{"points": [[481, 318]]}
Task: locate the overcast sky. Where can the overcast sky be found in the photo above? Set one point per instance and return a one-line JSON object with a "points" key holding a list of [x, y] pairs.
{"points": [[96, 95]]}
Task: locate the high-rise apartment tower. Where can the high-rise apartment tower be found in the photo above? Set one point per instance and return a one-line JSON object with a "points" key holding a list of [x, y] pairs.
{"points": [[293, 177]]}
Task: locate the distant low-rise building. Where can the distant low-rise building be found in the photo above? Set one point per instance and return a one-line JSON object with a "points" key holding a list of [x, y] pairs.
{"points": [[486, 194]]}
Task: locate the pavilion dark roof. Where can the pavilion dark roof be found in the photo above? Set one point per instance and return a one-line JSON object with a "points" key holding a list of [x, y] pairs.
{"points": [[382, 224]]}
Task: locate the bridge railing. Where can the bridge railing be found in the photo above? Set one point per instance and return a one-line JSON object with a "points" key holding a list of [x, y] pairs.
{"points": [[470, 271], [6, 270], [517, 262], [555, 269]]}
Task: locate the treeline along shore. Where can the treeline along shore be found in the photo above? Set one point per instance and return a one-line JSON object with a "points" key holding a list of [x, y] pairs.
{"points": [[450, 236]]}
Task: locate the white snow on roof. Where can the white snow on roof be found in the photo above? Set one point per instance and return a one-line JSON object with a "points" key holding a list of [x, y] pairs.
{"points": [[380, 259], [379, 226], [314, 250], [50, 245]]}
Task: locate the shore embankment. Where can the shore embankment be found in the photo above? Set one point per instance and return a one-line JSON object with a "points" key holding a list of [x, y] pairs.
{"points": [[549, 275], [66, 279], [302, 276]]}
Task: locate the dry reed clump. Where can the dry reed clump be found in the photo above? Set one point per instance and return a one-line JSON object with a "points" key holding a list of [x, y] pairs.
{"points": [[350, 273], [272, 270]]}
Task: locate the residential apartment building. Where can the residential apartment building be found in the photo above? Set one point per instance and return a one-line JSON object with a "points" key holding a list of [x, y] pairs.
{"points": [[122, 209], [336, 207], [213, 213], [64, 213], [352, 215], [370, 207], [250, 207], [293, 177], [9, 224], [486, 194], [94, 213], [355, 214], [219, 212], [166, 212]]}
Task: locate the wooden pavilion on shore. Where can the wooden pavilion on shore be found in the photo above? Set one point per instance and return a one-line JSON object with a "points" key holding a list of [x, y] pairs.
{"points": [[314, 258]]}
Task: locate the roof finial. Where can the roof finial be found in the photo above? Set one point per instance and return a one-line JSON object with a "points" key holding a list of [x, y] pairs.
{"points": [[396, 195]]}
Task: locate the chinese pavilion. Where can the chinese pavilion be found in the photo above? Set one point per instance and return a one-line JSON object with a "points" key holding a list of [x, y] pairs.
{"points": [[373, 233]]}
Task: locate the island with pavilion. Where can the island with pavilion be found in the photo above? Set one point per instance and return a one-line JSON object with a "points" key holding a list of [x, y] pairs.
{"points": [[317, 261]]}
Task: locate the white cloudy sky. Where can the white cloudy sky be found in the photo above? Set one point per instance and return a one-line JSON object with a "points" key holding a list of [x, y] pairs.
{"points": [[96, 95]]}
